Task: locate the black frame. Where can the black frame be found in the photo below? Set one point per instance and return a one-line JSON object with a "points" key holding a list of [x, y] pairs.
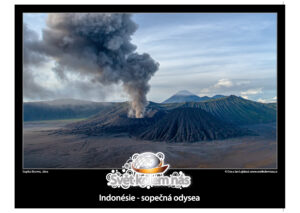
{"points": [[76, 188]]}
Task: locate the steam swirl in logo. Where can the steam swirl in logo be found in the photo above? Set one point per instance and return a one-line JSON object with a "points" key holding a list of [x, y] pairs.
{"points": [[149, 163]]}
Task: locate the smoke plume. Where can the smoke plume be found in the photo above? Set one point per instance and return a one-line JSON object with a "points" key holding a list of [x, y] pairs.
{"points": [[97, 46]]}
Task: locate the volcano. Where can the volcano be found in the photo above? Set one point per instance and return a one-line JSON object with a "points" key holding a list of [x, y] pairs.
{"points": [[184, 96], [190, 125], [116, 120], [213, 119]]}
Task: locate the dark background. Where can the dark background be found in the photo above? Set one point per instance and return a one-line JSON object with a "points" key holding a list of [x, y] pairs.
{"points": [[68, 188]]}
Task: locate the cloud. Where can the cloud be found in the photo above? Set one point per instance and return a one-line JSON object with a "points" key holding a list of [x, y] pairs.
{"points": [[270, 100], [275, 98], [220, 84], [262, 100], [195, 52], [245, 97], [223, 83], [252, 91], [223, 86]]}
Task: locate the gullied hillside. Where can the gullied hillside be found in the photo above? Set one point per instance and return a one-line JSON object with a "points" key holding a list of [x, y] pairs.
{"points": [[272, 105], [179, 122], [190, 125], [236, 110]]}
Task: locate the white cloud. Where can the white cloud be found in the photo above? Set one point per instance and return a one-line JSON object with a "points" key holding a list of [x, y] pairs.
{"points": [[223, 83], [252, 91], [199, 53], [275, 98], [266, 100], [262, 100], [245, 97], [220, 84]]}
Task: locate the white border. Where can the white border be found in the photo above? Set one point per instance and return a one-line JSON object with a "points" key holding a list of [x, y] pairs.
{"points": [[292, 104]]}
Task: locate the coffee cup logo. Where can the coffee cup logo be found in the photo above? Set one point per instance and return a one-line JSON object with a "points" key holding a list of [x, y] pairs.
{"points": [[149, 163], [146, 170]]}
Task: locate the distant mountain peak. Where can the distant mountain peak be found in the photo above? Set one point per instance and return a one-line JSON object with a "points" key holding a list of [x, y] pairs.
{"points": [[187, 96], [184, 93], [183, 96]]}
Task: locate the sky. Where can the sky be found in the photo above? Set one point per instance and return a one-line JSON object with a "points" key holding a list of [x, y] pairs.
{"points": [[205, 53]]}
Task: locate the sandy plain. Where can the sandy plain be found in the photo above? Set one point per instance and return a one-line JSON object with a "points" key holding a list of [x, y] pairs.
{"points": [[43, 149]]}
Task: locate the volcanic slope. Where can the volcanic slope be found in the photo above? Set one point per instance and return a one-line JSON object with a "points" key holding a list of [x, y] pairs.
{"points": [[235, 110], [115, 120], [190, 125], [180, 122]]}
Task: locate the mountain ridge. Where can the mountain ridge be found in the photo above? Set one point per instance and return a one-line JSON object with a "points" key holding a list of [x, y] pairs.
{"points": [[187, 96], [179, 122]]}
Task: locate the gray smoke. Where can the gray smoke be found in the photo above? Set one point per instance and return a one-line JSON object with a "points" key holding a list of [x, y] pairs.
{"points": [[97, 46]]}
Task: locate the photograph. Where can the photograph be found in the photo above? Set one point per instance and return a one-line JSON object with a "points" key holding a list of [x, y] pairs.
{"points": [[199, 87], [149, 106]]}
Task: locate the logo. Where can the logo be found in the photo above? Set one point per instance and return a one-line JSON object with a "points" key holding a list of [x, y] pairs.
{"points": [[146, 170], [149, 163]]}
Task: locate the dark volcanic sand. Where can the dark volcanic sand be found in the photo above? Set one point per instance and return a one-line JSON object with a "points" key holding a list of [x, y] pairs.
{"points": [[45, 150]]}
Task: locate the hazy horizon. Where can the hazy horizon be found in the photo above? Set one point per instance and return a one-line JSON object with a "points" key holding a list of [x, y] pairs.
{"points": [[76, 99]]}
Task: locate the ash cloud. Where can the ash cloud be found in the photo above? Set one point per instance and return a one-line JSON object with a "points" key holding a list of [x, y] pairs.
{"points": [[97, 46]]}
